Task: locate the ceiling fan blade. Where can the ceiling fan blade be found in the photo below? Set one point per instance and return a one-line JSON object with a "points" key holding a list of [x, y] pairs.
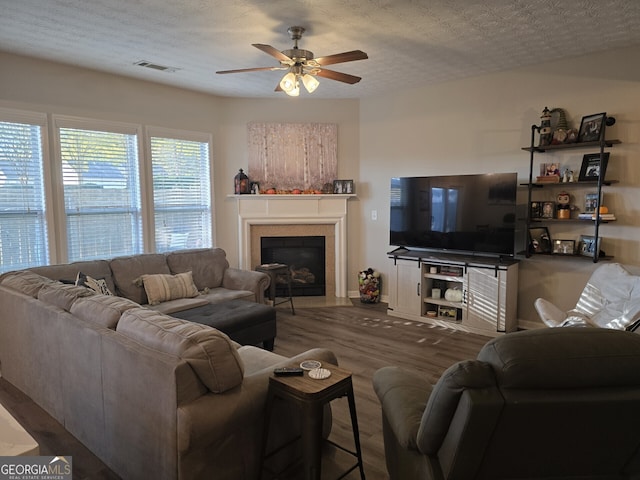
{"points": [[256, 69], [268, 49], [341, 57], [341, 77]]}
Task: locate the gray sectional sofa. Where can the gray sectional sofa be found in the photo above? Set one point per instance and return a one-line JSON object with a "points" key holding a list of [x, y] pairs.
{"points": [[151, 395]]}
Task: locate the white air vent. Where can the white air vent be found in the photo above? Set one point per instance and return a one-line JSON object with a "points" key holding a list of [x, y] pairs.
{"points": [[155, 66]]}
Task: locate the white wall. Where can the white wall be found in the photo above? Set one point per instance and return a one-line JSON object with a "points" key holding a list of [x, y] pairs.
{"points": [[479, 125], [470, 126]]}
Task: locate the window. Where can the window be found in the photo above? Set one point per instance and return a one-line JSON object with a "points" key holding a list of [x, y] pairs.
{"points": [[101, 194], [181, 193], [23, 226], [101, 186]]}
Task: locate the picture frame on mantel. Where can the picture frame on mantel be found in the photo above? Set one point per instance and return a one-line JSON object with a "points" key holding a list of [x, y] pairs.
{"points": [[343, 187]]}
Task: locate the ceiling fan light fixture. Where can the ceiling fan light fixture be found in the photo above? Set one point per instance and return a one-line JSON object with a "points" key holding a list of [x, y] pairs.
{"points": [[310, 82], [288, 82], [295, 92], [302, 66]]}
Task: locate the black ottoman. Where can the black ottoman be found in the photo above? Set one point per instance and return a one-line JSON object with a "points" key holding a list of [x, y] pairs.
{"points": [[247, 323]]}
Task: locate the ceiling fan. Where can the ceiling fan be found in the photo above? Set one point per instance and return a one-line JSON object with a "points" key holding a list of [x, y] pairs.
{"points": [[302, 66]]}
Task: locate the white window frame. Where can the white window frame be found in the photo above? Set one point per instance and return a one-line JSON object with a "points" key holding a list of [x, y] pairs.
{"points": [[64, 121], [192, 136], [39, 119]]}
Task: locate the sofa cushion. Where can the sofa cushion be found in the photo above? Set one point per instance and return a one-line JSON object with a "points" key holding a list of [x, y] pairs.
{"points": [[103, 310], [210, 352], [220, 295], [179, 305], [127, 270], [25, 282], [207, 264], [68, 273], [161, 287], [62, 295]]}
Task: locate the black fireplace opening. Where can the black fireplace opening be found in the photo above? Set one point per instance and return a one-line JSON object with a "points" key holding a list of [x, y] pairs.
{"points": [[305, 257]]}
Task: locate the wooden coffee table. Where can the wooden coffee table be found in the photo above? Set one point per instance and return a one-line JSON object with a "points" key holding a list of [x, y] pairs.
{"points": [[310, 396]]}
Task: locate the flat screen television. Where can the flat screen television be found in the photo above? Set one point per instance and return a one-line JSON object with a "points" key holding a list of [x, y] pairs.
{"points": [[467, 214]]}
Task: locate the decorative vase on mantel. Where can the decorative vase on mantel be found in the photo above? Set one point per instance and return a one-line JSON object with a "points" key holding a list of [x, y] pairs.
{"points": [[241, 183]]}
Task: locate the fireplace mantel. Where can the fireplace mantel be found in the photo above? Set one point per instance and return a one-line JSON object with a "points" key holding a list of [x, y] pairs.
{"points": [[313, 210]]}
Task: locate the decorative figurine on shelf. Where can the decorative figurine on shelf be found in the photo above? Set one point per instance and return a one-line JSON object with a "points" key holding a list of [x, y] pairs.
{"points": [[241, 183], [568, 176], [453, 295], [563, 209], [545, 127], [560, 126]]}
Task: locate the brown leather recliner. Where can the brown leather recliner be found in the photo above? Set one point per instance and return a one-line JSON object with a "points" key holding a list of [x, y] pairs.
{"points": [[542, 404]]}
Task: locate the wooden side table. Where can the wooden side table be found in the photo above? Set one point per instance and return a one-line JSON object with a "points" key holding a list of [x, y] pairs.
{"points": [[310, 396], [274, 270]]}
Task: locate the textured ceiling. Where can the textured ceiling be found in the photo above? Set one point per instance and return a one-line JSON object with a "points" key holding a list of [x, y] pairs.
{"points": [[409, 42]]}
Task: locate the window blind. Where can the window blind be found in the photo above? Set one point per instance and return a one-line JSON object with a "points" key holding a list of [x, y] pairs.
{"points": [[181, 193], [23, 228], [101, 193]]}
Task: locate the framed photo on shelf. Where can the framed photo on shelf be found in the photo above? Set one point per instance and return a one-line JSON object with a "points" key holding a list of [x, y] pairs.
{"points": [[539, 240], [587, 245], [548, 210], [591, 127], [590, 202], [549, 169], [564, 247], [592, 168], [535, 210]]}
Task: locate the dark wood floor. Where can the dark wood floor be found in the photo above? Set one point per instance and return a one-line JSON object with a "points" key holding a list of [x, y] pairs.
{"points": [[364, 339]]}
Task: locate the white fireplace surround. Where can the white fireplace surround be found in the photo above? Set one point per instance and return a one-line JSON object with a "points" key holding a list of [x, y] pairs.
{"points": [[297, 210]]}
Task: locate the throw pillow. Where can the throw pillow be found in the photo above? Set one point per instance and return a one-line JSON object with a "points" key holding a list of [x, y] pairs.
{"points": [[163, 287], [97, 285]]}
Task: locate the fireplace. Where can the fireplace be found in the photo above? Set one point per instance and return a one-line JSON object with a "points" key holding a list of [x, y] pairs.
{"points": [[301, 216], [305, 256]]}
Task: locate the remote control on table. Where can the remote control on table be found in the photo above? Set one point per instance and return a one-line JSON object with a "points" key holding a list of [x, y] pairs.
{"points": [[288, 371]]}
